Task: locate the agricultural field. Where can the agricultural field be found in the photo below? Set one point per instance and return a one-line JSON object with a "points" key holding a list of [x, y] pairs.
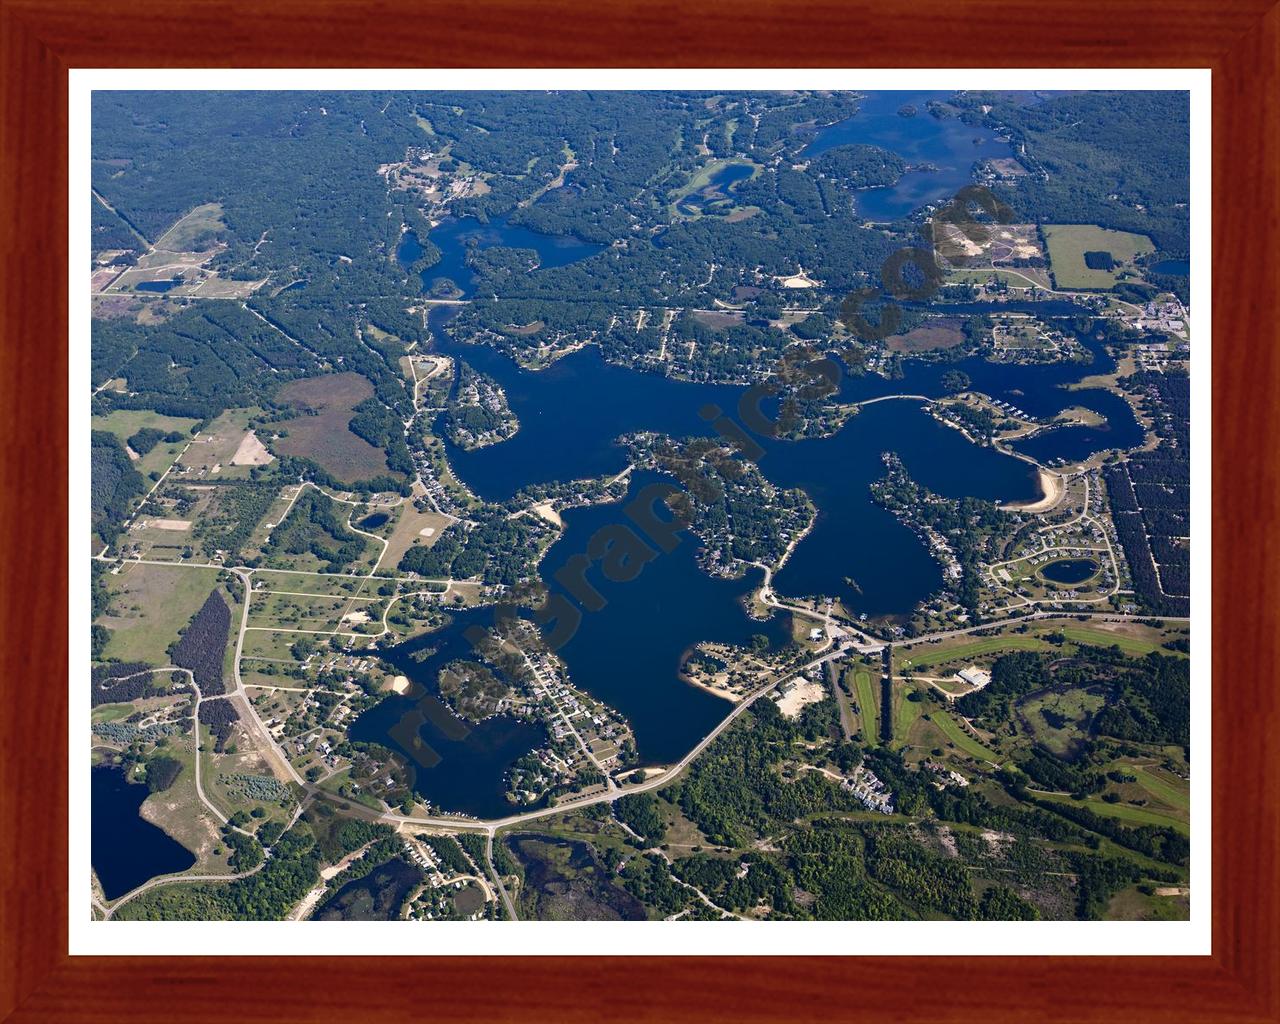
{"points": [[149, 605], [322, 435], [1068, 244]]}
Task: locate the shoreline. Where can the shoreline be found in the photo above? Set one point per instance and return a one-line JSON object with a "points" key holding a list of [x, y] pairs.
{"points": [[1054, 488]]}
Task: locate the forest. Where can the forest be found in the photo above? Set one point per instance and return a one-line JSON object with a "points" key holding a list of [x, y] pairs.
{"points": [[203, 645]]}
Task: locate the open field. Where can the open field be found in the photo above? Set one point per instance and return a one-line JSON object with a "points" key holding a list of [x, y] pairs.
{"points": [[1019, 277], [149, 604], [124, 423], [905, 712], [950, 728], [926, 655], [266, 581], [1135, 639], [926, 339], [215, 447], [867, 689], [194, 230], [180, 813], [295, 612], [1166, 789], [412, 528], [1123, 812], [323, 437], [1067, 244]]}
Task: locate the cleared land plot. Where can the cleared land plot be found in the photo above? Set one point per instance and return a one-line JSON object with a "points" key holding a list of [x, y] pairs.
{"points": [[1166, 788], [1022, 277], [149, 604], [267, 581], [323, 436], [413, 528], [1068, 243], [294, 612], [212, 451], [926, 339], [124, 423], [269, 643], [196, 228]]}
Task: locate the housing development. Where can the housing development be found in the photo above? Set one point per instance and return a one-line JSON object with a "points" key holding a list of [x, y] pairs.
{"points": [[645, 506]]}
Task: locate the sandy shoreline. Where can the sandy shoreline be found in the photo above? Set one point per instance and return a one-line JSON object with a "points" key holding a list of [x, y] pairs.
{"points": [[1053, 487]]}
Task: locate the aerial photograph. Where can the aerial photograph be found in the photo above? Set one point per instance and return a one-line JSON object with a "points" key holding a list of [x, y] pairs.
{"points": [[660, 505]]}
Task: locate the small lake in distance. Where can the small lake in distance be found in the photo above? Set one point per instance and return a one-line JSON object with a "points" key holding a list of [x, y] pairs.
{"points": [[1069, 570]]}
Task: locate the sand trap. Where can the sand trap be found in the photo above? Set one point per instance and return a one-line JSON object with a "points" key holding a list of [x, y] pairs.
{"points": [[427, 531], [251, 452], [170, 524], [400, 684], [548, 512]]}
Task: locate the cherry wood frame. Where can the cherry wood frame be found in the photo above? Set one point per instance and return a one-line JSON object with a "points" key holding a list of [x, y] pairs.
{"points": [[41, 39]]}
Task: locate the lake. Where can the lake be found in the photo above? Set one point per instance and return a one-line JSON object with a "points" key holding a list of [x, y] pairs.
{"points": [[125, 848], [1174, 268], [473, 756], [456, 237], [628, 654], [374, 521], [944, 150]]}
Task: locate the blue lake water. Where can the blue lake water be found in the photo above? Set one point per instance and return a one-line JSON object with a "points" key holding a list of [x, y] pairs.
{"points": [[156, 286], [455, 237], [628, 653], [948, 146], [1174, 268], [1069, 570], [473, 757], [126, 849]]}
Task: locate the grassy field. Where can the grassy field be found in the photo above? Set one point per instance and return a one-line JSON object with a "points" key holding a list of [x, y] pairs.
{"points": [[1076, 706], [214, 448], [294, 612], [324, 437], [1174, 793], [409, 531], [149, 604], [1023, 277], [925, 339], [188, 229], [1123, 812], [905, 711], [927, 655], [1106, 638], [124, 423], [963, 741], [868, 705], [1067, 244]]}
